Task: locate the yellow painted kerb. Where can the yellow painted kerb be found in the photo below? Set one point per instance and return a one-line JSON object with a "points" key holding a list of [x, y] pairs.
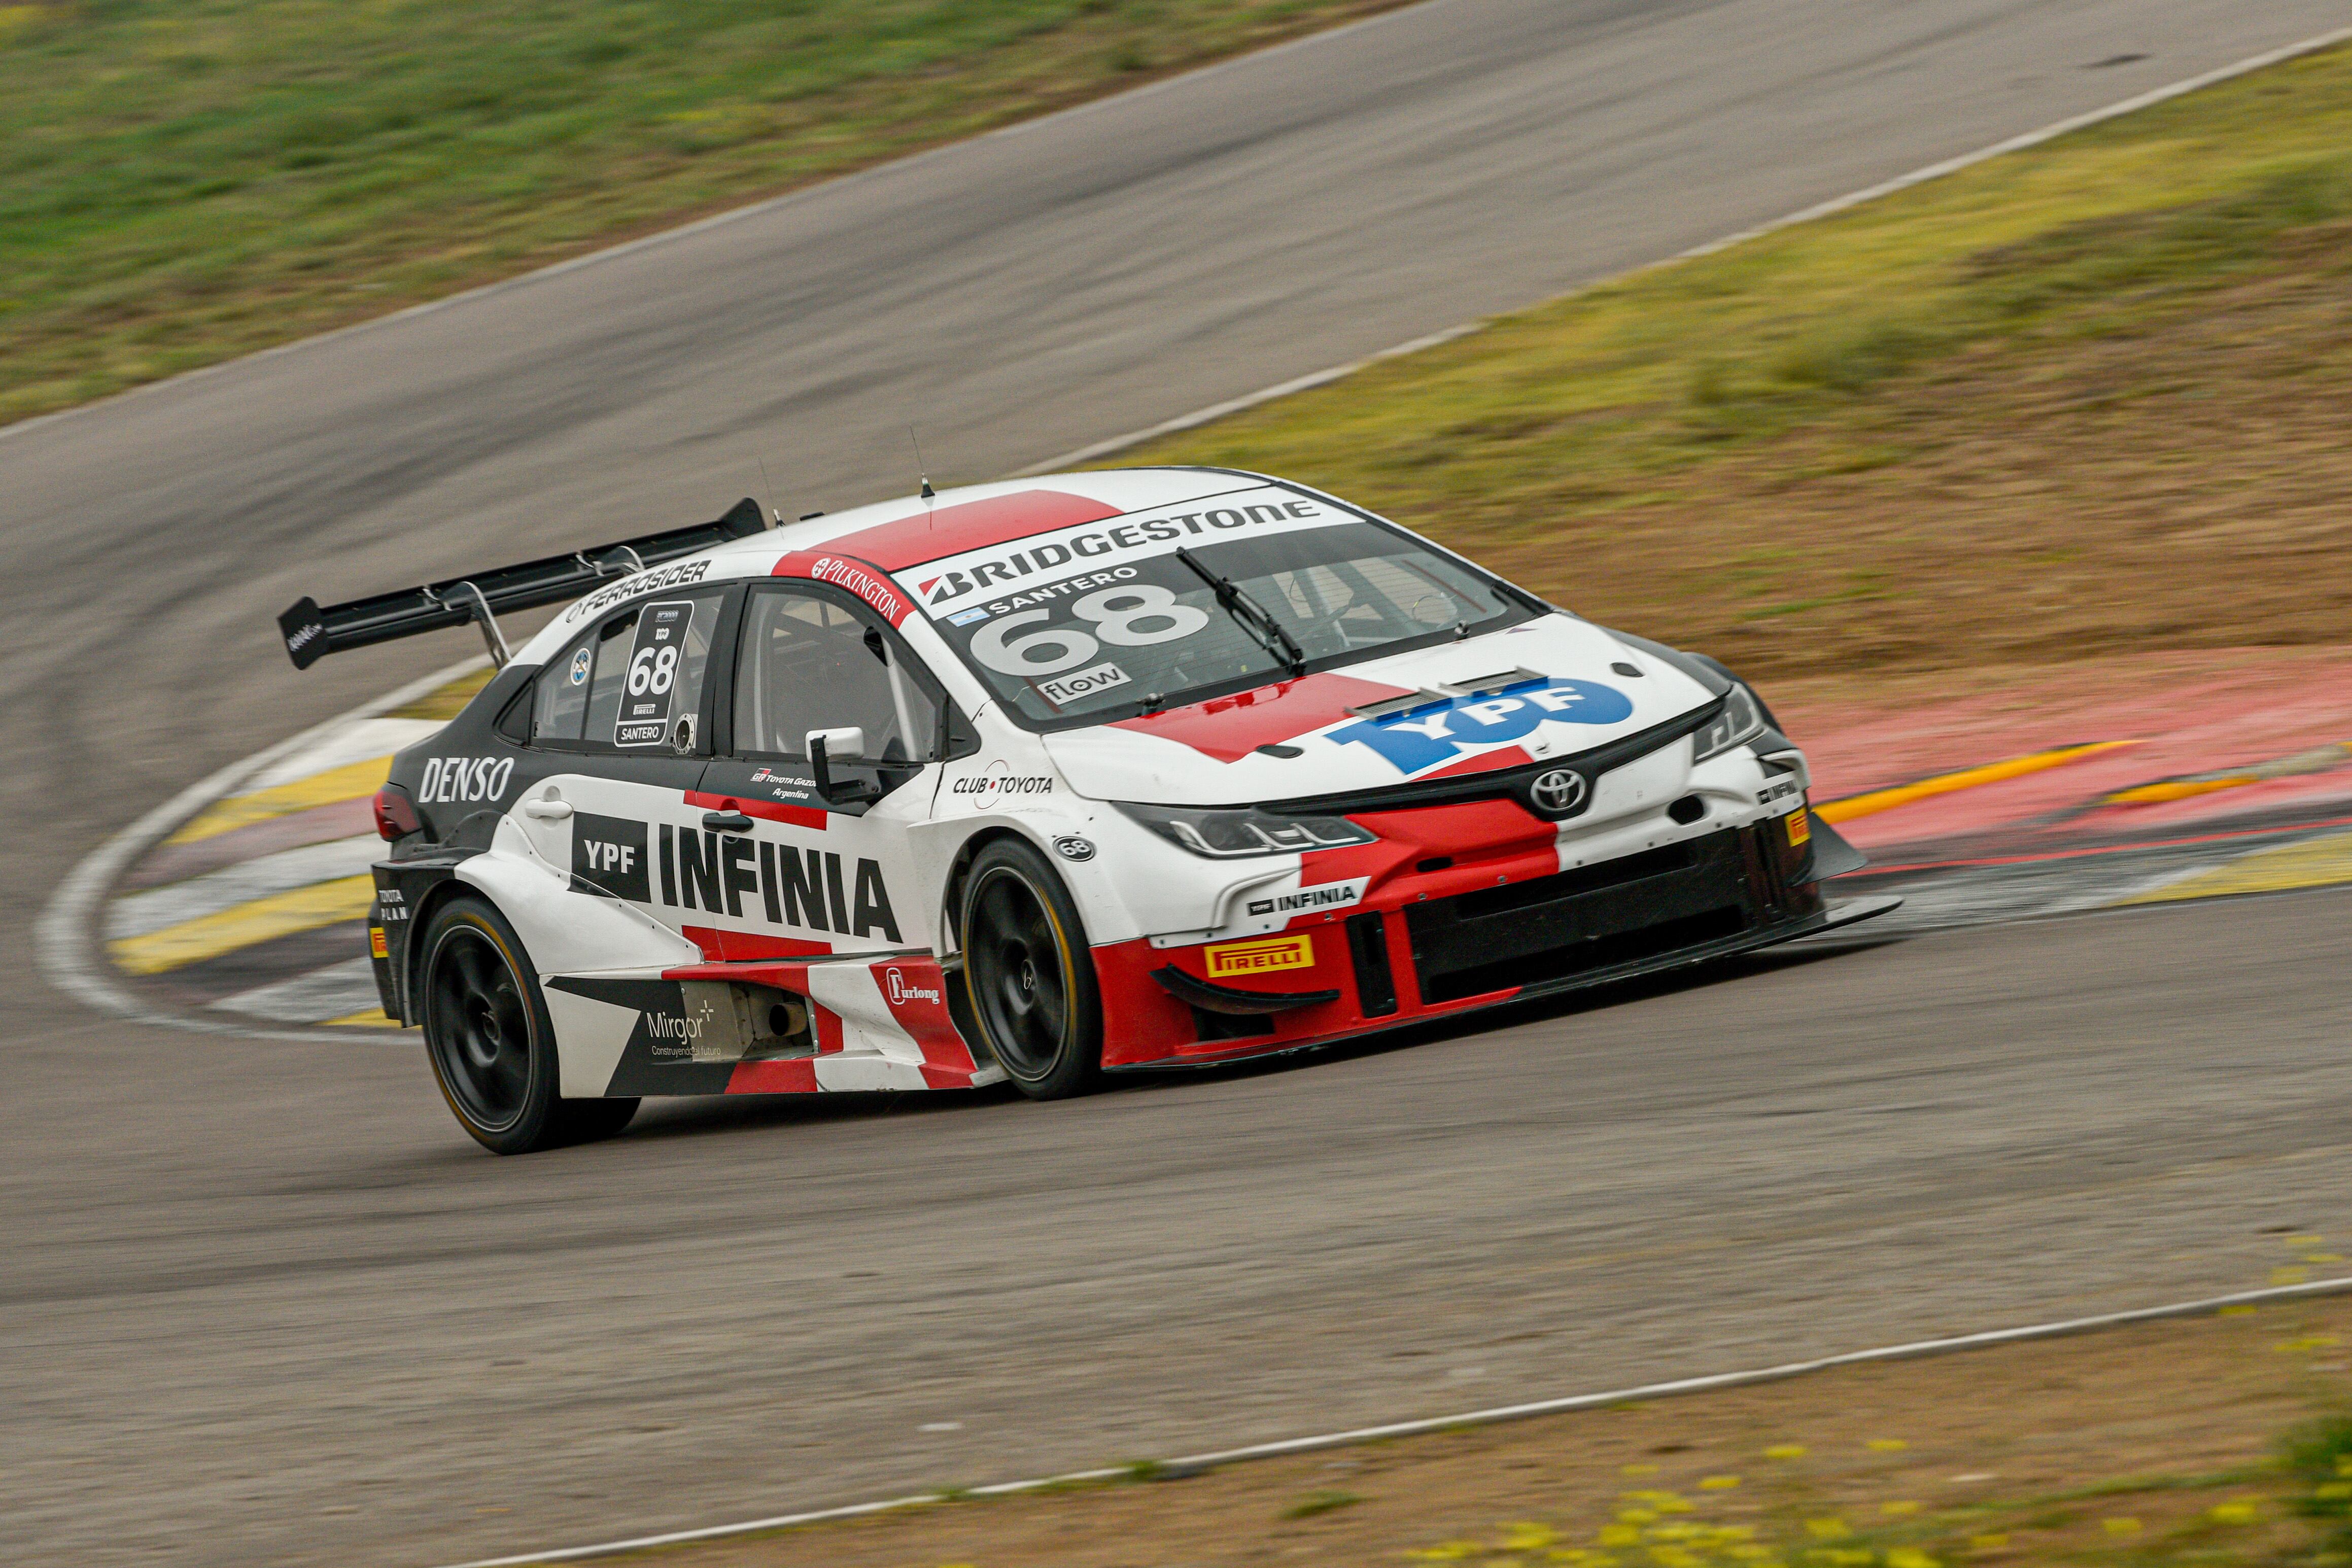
{"points": [[2312, 862], [1877, 800], [374, 1018], [261, 920], [353, 781]]}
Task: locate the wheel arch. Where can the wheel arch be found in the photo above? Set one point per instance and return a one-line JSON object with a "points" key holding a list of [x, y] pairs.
{"points": [[449, 885], [959, 871]]}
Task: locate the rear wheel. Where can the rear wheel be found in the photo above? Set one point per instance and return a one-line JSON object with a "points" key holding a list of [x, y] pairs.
{"points": [[490, 1041], [1028, 974]]}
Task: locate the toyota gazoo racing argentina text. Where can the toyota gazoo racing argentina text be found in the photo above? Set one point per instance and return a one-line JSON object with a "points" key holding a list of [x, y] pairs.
{"points": [[1039, 781]]}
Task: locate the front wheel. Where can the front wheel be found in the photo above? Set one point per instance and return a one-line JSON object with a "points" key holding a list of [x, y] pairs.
{"points": [[1027, 972], [490, 1041]]}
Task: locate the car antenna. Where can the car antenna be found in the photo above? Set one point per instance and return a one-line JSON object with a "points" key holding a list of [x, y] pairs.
{"points": [[769, 485], [921, 469]]}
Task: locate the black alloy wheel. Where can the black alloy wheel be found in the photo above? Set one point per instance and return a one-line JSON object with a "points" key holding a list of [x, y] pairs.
{"points": [[480, 1029], [492, 1046], [1028, 973]]}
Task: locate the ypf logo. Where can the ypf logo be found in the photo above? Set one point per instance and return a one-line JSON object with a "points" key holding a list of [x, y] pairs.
{"points": [[1559, 793], [1423, 737]]}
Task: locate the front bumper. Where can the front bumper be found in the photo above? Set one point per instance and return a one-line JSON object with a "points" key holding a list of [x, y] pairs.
{"points": [[1412, 955]]}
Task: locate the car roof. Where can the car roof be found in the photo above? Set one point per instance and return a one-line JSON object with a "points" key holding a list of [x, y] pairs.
{"points": [[894, 535]]}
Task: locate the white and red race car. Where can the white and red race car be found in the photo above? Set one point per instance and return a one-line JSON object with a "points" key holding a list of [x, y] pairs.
{"points": [[1038, 780]]}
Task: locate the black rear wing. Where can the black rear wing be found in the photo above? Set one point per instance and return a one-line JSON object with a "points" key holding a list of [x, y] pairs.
{"points": [[311, 634]]}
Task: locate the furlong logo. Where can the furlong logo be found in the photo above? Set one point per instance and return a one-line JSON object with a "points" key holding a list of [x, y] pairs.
{"points": [[904, 990]]}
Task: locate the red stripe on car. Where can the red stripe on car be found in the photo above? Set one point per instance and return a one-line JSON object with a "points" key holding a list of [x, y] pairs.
{"points": [[1230, 728], [1485, 762], [795, 1077], [767, 811], [861, 578], [940, 531]]}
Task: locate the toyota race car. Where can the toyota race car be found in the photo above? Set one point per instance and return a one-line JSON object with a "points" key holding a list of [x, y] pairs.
{"points": [[1039, 781]]}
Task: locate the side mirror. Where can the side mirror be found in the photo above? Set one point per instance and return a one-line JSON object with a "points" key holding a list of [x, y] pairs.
{"points": [[849, 741]]}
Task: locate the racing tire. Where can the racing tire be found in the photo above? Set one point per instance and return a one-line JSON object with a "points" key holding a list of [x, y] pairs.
{"points": [[1028, 973], [490, 1041]]}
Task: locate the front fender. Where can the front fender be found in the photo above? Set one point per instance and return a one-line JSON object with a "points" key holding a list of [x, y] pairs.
{"points": [[943, 848]]}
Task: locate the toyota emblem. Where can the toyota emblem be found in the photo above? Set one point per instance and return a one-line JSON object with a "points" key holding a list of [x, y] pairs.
{"points": [[1559, 793]]}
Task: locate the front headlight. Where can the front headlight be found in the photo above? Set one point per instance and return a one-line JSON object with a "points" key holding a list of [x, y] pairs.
{"points": [[1233, 832], [1742, 718]]}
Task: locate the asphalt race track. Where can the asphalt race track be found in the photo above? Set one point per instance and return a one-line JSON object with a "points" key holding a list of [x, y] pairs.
{"points": [[261, 1301]]}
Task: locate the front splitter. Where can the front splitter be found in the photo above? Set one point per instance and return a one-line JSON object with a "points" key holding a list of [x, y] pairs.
{"points": [[1833, 915]]}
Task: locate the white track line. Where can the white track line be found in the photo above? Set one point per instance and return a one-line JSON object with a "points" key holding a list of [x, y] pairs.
{"points": [[1486, 1417], [337, 991], [1217, 410], [144, 913], [63, 939], [355, 742]]}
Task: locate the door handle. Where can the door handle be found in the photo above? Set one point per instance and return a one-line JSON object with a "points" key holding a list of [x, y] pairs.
{"points": [[547, 811], [727, 821]]}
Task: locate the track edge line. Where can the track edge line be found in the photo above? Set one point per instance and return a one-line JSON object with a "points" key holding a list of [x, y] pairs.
{"points": [[1492, 1416]]}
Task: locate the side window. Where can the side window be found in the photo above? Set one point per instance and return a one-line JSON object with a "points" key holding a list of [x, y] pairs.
{"points": [[809, 662], [627, 682]]}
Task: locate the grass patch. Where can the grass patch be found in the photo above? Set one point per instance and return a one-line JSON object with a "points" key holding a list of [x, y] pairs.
{"points": [[2232, 1521], [2088, 397], [2320, 1457], [183, 181]]}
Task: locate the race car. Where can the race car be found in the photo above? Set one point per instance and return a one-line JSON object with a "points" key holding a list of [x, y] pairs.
{"points": [[1037, 782]]}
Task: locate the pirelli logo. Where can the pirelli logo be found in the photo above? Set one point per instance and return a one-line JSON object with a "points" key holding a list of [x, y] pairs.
{"points": [[1257, 957], [377, 946], [1800, 827]]}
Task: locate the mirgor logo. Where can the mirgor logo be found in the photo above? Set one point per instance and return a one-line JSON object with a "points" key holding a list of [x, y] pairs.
{"points": [[669, 1026], [676, 1036]]}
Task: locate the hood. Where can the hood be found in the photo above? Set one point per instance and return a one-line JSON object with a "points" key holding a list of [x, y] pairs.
{"points": [[1550, 687]]}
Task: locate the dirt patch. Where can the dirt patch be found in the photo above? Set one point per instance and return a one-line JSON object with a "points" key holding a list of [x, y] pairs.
{"points": [[2127, 1441], [2183, 486], [2093, 398]]}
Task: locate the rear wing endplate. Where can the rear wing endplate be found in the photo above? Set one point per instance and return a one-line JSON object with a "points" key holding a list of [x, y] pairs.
{"points": [[311, 634]]}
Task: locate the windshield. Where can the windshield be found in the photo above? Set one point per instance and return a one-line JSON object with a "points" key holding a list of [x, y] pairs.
{"points": [[1142, 628]]}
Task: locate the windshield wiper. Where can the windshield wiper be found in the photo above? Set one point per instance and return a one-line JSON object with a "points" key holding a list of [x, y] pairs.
{"points": [[1250, 615]]}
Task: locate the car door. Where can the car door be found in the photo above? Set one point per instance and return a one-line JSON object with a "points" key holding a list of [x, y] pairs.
{"points": [[624, 717], [799, 874]]}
